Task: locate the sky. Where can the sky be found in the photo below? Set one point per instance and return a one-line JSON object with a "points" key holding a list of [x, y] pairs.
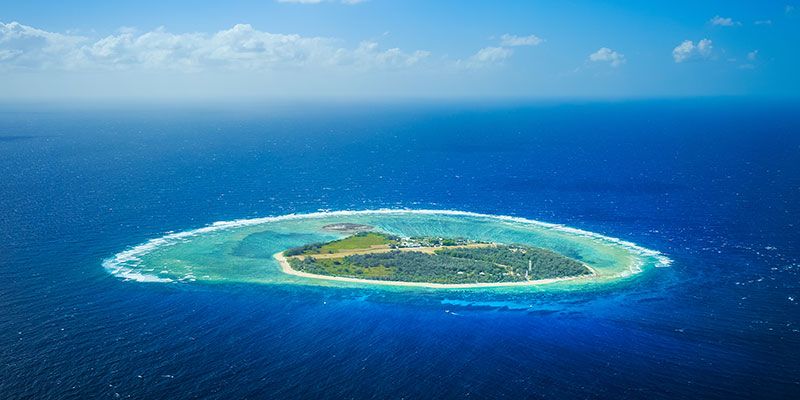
{"points": [[307, 49]]}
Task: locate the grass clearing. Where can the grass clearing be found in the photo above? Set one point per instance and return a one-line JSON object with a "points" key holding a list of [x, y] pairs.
{"points": [[359, 241]]}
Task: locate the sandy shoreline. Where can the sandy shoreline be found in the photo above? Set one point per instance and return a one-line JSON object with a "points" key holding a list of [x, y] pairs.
{"points": [[286, 268]]}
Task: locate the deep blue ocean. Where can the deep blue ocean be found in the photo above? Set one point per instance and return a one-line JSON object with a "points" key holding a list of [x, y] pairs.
{"points": [[714, 184]]}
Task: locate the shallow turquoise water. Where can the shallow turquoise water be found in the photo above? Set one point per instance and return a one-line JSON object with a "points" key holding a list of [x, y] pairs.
{"points": [[242, 250]]}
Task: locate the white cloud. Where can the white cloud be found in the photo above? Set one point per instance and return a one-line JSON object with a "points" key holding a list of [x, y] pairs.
{"points": [[513, 40], [605, 54], [241, 47], [491, 55], [720, 21], [369, 54], [688, 51], [498, 54], [764, 22], [29, 47]]}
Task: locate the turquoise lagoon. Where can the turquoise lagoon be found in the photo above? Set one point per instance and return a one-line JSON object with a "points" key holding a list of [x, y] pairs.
{"points": [[241, 251]]}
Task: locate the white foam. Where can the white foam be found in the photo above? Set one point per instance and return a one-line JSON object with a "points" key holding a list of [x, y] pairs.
{"points": [[125, 264]]}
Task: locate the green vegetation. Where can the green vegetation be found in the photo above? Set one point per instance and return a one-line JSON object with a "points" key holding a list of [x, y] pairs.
{"points": [[336, 267], [434, 260], [412, 266], [362, 240], [358, 241], [536, 262]]}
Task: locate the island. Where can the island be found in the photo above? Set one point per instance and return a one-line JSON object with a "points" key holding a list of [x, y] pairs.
{"points": [[428, 261], [367, 248]]}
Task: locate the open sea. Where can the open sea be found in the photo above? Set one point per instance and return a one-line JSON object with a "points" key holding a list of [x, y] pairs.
{"points": [[713, 184]]}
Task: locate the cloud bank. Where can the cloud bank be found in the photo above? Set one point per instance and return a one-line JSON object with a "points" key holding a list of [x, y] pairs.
{"points": [[241, 47]]}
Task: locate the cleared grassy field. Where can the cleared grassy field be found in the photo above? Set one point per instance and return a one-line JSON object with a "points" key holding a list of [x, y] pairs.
{"points": [[360, 241]]}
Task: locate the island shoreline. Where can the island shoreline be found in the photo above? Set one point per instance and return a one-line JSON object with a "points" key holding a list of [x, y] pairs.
{"points": [[287, 269]]}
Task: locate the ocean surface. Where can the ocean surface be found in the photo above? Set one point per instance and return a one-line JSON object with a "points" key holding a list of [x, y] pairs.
{"points": [[713, 184]]}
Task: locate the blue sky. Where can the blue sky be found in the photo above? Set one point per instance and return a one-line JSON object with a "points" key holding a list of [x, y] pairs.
{"points": [[382, 48]]}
